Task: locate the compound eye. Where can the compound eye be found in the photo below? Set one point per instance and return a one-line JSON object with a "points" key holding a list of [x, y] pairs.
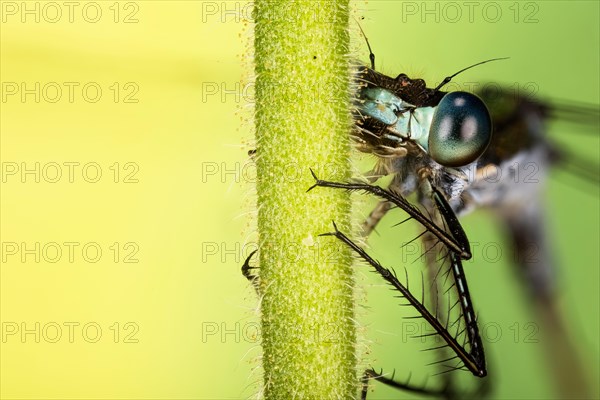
{"points": [[461, 130]]}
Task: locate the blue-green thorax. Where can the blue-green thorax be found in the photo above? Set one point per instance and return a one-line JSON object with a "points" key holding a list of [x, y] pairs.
{"points": [[403, 119]]}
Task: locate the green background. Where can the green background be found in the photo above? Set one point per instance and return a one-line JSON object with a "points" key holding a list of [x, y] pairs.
{"points": [[189, 213]]}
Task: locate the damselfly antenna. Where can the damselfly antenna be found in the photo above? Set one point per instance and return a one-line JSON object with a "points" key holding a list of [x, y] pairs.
{"points": [[449, 78], [371, 54]]}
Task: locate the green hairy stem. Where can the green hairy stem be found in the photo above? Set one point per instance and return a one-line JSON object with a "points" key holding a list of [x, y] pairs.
{"points": [[302, 123]]}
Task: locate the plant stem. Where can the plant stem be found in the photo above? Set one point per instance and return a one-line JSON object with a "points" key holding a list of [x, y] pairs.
{"points": [[303, 121]]}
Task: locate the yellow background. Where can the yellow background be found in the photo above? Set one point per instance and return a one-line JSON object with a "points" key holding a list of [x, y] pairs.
{"points": [[187, 214]]}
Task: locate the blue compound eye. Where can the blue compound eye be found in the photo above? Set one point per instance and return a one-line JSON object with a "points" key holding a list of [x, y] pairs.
{"points": [[460, 131]]}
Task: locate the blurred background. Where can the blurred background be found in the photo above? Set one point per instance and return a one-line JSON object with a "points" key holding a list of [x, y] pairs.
{"points": [[126, 188]]}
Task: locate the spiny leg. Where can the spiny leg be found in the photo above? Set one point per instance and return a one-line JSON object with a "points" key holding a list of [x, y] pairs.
{"points": [[444, 304], [442, 214], [460, 246], [473, 361], [446, 214], [457, 247], [432, 247]]}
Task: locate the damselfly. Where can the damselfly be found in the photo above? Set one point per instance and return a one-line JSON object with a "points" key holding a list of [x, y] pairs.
{"points": [[393, 119], [440, 146]]}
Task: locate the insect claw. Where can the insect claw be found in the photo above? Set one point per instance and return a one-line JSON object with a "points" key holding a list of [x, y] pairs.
{"points": [[336, 233], [312, 187], [335, 226], [318, 181], [328, 234]]}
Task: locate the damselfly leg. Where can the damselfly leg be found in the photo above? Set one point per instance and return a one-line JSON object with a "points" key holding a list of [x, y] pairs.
{"points": [[460, 334]]}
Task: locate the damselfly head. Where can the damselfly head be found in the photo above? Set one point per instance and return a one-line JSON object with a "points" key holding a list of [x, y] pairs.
{"points": [[454, 129]]}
